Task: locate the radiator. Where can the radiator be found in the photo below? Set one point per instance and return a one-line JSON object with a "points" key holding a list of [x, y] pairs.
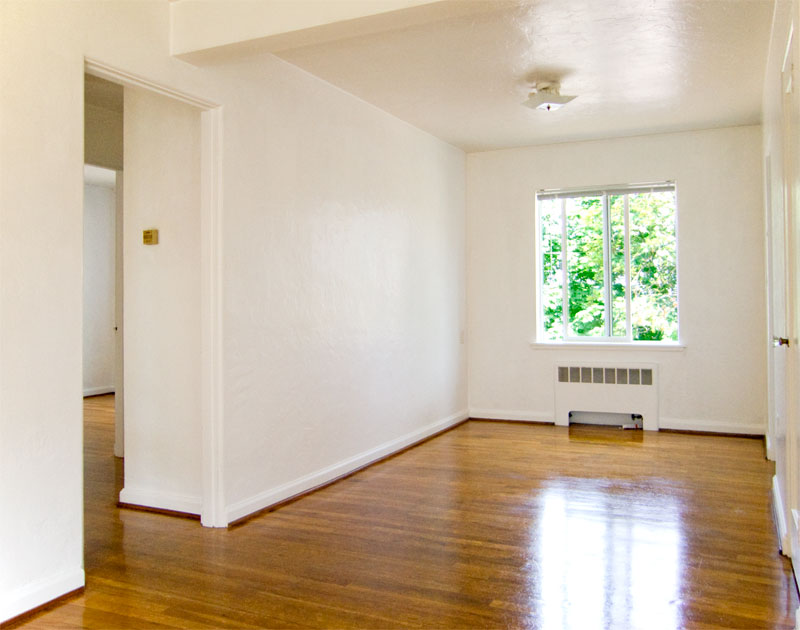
{"points": [[629, 388]]}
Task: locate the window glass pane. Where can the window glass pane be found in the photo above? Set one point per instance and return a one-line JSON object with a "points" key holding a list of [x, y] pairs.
{"points": [[552, 272], [654, 298], [616, 220], [585, 270]]}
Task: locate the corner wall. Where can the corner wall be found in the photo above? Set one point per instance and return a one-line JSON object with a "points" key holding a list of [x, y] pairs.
{"points": [[344, 285], [162, 298], [717, 383], [343, 264]]}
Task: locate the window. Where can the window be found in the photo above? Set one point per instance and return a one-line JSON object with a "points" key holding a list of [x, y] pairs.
{"points": [[608, 264]]}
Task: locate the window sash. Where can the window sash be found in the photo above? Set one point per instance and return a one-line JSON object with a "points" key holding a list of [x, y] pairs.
{"points": [[604, 194], [608, 335], [610, 191]]}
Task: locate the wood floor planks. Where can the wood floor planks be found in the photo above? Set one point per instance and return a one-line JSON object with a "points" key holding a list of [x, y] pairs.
{"points": [[491, 525]]}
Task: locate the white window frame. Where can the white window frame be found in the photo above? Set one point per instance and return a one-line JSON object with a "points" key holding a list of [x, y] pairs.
{"points": [[604, 192]]}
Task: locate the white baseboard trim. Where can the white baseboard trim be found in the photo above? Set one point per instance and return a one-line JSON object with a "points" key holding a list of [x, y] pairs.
{"points": [[677, 424], [21, 600], [160, 500], [513, 415], [780, 517], [792, 541], [97, 391], [258, 502], [712, 426]]}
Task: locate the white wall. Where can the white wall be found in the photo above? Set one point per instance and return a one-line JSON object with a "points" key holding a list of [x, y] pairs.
{"points": [[41, 231], [162, 303], [343, 239], [344, 286], [718, 382], [99, 209], [103, 137]]}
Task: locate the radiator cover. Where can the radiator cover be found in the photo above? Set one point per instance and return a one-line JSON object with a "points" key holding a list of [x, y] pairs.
{"points": [[630, 388]]}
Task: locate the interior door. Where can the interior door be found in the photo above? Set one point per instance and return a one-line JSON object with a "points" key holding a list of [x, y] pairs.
{"points": [[783, 373], [791, 134], [778, 285]]}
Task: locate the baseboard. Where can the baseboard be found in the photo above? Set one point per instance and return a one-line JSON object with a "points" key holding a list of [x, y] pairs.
{"points": [[711, 426], [793, 536], [676, 424], [511, 415], [779, 516], [256, 503], [160, 500], [97, 391], [21, 600]]}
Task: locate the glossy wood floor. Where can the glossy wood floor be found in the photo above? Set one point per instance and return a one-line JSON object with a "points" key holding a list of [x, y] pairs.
{"points": [[491, 525]]}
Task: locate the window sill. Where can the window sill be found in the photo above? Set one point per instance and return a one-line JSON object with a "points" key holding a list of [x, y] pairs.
{"points": [[627, 347]]}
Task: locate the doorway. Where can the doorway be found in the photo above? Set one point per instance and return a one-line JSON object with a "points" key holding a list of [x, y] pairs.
{"points": [[103, 352], [171, 305]]}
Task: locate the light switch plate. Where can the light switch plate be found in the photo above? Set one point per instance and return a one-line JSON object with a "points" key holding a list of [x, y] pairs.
{"points": [[150, 237]]}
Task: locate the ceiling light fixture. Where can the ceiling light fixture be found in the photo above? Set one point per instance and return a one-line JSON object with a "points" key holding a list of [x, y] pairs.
{"points": [[545, 95]]}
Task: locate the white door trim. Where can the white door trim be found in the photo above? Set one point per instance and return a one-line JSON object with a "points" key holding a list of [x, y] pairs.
{"points": [[119, 347]]}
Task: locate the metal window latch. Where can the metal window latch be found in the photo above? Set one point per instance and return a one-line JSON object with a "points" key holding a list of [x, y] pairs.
{"points": [[780, 341]]}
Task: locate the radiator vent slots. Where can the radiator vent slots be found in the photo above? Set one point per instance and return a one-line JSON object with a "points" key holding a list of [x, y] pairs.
{"points": [[606, 375], [605, 387]]}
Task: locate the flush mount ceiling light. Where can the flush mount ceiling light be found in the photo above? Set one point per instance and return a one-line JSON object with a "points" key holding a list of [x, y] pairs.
{"points": [[545, 95]]}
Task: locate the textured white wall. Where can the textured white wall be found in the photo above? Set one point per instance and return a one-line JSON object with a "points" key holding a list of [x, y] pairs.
{"points": [[718, 381], [343, 268], [99, 209], [344, 285], [162, 303], [41, 297], [102, 139]]}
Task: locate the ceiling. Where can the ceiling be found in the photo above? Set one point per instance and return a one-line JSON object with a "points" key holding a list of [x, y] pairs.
{"points": [[98, 176], [636, 66]]}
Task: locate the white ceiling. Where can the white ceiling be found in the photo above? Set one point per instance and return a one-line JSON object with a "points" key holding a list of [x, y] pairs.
{"points": [[98, 176], [637, 66]]}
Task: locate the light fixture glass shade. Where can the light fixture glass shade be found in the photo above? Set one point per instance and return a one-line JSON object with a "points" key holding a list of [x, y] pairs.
{"points": [[547, 102]]}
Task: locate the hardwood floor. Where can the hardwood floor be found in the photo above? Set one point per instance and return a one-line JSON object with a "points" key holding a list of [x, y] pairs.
{"points": [[491, 525]]}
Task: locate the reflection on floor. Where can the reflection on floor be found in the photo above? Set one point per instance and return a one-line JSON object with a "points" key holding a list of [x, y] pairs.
{"points": [[491, 525], [603, 434]]}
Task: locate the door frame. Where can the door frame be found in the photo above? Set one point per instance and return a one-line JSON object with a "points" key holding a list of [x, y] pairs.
{"points": [[212, 511], [790, 128], [119, 347]]}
